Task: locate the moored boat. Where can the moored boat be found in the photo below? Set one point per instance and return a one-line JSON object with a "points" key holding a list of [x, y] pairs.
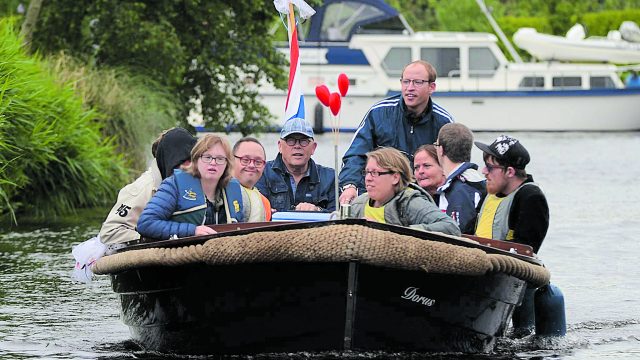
{"points": [[611, 49], [371, 43], [334, 285]]}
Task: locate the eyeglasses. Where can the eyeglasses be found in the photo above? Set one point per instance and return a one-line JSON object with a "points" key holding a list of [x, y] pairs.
{"points": [[416, 82], [375, 173], [303, 142], [246, 161], [492, 167], [219, 160]]}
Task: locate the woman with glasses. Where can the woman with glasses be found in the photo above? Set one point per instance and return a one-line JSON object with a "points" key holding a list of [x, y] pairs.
{"points": [[202, 195], [392, 198]]}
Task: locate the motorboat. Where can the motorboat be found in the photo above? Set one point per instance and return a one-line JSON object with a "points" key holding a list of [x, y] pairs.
{"points": [[575, 47], [371, 42], [338, 285]]}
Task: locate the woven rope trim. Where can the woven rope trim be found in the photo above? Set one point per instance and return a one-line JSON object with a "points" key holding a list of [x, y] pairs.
{"points": [[334, 243]]}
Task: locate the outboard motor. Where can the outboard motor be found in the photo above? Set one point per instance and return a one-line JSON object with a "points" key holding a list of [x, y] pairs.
{"points": [[549, 311]]}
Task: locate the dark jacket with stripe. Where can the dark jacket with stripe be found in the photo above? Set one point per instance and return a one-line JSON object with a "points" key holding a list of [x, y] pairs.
{"points": [[389, 124]]}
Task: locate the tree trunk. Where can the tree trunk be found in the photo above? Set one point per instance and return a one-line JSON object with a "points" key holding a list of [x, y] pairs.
{"points": [[29, 24]]}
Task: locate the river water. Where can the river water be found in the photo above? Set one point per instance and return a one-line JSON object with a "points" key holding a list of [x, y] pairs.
{"points": [[591, 182]]}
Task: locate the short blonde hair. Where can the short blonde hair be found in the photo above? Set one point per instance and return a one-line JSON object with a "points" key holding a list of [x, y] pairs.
{"points": [[205, 143], [431, 70], [393, 160]]}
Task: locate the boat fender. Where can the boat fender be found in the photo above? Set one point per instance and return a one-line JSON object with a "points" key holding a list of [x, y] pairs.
{"points": [[524, 316], [318, 119], [549, 308]]}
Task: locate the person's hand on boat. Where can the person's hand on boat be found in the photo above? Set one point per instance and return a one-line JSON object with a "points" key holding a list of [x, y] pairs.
{"points": [[303, 206], [204, 230], [348, 195]]}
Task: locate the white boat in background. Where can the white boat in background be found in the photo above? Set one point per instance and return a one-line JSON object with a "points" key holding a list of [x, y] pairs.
{"points": [[370, 42], [575, 47]]}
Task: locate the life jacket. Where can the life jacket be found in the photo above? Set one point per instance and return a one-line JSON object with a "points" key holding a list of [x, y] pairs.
{"points": [[257, 205], [493, 221], [192, 205]]}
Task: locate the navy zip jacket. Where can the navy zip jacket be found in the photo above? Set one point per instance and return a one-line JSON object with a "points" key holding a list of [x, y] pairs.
{"points": [[461, 196], [389, 124], [318, 188]]}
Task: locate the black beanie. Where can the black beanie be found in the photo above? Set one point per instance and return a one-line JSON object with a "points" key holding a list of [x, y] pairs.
{"points": [[174, 149]]}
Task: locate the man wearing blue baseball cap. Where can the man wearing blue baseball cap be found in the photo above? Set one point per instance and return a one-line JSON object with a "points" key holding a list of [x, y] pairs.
{"points": [[293, 181]]}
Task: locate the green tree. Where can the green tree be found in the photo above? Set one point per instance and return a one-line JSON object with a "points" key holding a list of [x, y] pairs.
{"points": [[215, 51], [53, 158]]}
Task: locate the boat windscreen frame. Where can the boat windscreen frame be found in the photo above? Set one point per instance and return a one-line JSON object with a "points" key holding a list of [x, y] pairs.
{"points": [[388, 12]]}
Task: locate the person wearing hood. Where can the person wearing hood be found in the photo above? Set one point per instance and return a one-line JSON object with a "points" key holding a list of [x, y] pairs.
{"points": [[392, 198], [463, 192], [171, 150]]}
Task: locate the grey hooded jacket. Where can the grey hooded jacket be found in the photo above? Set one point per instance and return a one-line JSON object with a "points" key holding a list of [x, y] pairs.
{"points": [[412, 207]]}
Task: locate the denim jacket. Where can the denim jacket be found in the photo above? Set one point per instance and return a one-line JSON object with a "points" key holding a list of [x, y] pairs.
{"points": [[317, 188]]}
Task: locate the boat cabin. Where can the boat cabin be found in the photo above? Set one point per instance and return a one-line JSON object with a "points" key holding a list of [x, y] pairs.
{"points": [[372, 42]]}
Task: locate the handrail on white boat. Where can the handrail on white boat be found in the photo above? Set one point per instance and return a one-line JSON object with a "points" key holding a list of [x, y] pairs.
{"points": [[475, 74]]}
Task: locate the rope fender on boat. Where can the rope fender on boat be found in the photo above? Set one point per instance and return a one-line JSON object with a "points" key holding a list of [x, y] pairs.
{"points": [[334, 243]]}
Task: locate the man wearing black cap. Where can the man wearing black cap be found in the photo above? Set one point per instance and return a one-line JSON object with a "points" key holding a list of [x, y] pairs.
{"points": [[515, 207], [171, 150]]}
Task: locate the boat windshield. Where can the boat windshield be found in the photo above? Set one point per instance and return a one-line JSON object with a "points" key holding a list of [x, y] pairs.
{"points": [[341, 18]]}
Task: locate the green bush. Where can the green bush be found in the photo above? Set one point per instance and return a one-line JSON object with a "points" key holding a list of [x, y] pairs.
{"points": [[136, 108], [599, 24], [54, 158]]}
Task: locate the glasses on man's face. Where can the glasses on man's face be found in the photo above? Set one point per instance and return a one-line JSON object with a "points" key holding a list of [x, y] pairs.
{"points": [[219, 160], [492, 167], [375, 173], [416, 82], [302, 141], [245, 161]]}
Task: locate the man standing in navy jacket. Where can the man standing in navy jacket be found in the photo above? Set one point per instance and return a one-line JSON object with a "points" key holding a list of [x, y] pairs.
{"points": [[403, 122]]}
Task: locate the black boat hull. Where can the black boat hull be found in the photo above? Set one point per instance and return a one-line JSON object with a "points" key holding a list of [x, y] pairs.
{"points": [[289, 307]]}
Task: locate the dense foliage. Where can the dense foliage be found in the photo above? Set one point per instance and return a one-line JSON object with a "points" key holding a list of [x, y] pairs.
{"points": [[53, 157], [212, 50], [135, 108], [550, 16]]}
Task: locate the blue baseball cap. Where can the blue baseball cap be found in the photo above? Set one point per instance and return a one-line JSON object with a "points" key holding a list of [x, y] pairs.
{"points": [[296, 126]]}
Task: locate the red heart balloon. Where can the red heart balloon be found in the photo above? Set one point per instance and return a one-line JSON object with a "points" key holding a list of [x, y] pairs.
{"points": [[322, 93], [343, 84], [334, 103]]}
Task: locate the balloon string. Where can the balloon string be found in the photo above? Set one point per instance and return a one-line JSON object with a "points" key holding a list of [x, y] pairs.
{"points": [[335, 128]]}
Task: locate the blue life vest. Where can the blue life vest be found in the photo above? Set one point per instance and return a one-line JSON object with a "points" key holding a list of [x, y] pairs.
{"points": [[192, 204]]}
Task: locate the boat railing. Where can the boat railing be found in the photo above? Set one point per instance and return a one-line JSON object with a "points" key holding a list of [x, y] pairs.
{"points": [[476, 75]]}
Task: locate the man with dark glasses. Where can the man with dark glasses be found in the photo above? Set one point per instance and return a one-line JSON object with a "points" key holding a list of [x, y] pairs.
{"points": [[293, 181]]}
